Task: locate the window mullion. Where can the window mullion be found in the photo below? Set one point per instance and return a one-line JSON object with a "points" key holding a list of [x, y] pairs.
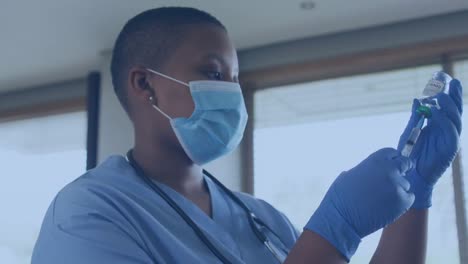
{"points": [[458, 188]]}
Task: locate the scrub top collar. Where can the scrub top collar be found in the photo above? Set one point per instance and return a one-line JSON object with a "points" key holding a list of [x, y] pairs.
{"points": [[216, 226]]}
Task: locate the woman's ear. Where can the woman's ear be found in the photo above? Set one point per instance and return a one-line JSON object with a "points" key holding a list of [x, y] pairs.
{"points": [[139, 84]]}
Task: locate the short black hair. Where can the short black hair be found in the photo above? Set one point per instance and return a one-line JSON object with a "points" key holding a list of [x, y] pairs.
{"points": [[150, 38]]}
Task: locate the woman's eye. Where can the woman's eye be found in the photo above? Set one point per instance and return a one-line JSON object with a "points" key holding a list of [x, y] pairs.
{"points": [[214, 75]]}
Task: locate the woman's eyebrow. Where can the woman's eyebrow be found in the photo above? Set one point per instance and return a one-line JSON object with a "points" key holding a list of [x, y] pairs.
{"points": [[216, 57], [220, 60]]}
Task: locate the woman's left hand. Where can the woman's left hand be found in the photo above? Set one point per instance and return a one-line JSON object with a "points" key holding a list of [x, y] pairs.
{"points": [[437, 145]]}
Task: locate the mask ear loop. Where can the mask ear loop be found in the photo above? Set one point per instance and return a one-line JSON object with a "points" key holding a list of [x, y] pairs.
{"points": [[157, 108], [168, 77]]}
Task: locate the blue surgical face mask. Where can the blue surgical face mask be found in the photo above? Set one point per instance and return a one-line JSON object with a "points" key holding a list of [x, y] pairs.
{"points": [[217, 123]]}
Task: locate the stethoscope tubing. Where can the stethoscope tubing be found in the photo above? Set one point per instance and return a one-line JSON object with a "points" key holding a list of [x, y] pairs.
{"points": [[252, 218]]}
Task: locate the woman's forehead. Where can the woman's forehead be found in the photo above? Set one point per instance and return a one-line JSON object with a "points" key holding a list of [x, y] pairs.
{"points": [[205, 43]]}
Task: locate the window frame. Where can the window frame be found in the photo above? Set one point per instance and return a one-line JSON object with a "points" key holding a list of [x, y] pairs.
{"points": [[444, 52], [54, 98]]}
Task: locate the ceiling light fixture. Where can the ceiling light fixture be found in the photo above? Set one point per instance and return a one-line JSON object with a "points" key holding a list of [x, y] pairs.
{"points": [[307, 5]]}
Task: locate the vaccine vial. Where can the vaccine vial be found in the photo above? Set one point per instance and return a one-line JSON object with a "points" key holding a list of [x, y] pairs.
{"points": [[439, 83]]}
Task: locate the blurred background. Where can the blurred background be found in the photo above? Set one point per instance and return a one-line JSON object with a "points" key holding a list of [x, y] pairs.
{"points": [[326, 83]]}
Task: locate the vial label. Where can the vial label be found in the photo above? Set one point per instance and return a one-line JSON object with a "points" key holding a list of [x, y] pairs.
{"points": [[433, 87]]}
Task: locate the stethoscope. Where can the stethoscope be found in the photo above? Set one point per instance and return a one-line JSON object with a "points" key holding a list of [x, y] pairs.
{"points": [[254, 221]]}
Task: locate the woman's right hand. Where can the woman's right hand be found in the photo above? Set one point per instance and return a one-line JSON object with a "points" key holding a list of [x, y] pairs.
{"points": [[362, 200]]}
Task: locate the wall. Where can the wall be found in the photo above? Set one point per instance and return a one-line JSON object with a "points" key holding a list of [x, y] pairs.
{"points": [[115, 134], [351, 42]]}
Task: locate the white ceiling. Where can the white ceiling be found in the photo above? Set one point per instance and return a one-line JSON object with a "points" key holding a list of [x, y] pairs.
{"points": [[53, 40]]}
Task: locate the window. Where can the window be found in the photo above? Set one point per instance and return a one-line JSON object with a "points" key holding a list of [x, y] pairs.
{"points": [[461, 72], [306, 134], [40, 156]]}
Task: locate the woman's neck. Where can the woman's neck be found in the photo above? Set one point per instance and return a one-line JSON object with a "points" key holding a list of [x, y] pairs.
{"points": [[170, 166]]}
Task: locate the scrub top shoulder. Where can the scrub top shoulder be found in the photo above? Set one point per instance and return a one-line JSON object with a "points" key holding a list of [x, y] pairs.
{"points": [[110, 215]]}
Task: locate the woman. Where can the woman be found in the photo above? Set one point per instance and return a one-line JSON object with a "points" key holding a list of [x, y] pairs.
{"points": [[175, 72]]}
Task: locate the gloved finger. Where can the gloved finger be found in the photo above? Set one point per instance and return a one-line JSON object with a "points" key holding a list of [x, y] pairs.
{"points": [[406, 197], [403, 164], [386, 154], [449, 109], [441, 120], [401, 181], [410, 125], [456, 93]]}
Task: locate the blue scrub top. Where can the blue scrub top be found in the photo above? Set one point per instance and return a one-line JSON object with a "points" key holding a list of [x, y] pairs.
{"points": [[110, 215]]}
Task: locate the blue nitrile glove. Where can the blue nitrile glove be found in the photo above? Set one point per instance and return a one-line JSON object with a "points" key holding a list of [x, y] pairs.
{"points": [[437, 145], [362, 200]]}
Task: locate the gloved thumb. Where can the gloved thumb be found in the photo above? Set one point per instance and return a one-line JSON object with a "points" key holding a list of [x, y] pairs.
{"points": [[407, 198], [403, 164]]}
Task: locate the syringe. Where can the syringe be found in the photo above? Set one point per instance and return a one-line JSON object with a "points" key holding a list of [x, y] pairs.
{"points": [[413, 138], [438, 83]]}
